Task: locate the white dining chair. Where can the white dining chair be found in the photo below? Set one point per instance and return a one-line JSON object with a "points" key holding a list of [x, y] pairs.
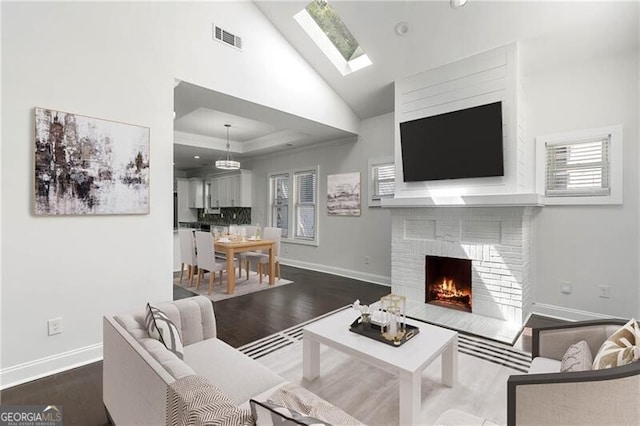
{"points": [[187, 253], [207, 260], [249, 232], [262, 258]]}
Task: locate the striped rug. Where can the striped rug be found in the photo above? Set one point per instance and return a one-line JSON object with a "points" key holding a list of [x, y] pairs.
{"points": [[485, 349]]}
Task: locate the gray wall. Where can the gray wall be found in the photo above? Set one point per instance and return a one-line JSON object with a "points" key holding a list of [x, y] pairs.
{"points": [[588, 245], [343, 241]]}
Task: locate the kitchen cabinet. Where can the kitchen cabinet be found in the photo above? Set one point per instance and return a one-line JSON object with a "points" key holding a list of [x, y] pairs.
{"points": [[196, 193], [232, 190], [184, 213]]}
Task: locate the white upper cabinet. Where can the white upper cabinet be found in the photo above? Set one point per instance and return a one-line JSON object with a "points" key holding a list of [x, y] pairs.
{"points": [[232, 190], [184, 212], [196, 193]]}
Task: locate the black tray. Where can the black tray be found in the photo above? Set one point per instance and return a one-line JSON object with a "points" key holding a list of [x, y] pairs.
{"points": [[374, 332]]}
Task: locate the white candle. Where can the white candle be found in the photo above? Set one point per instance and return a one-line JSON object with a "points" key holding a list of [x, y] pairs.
{"points": [[393, 325]]}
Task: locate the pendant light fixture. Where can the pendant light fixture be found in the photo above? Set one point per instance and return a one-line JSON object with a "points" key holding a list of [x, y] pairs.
{"points": [[457, 4], [226, 161]]}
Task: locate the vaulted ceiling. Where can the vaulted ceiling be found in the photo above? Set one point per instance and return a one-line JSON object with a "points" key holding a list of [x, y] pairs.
{"points": [[549, 34]]}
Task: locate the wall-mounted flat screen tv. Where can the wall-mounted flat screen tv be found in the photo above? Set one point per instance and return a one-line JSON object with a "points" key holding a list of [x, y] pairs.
{"points": [[456, 145]]}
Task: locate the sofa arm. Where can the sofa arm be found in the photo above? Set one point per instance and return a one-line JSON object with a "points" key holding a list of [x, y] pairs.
{"points": [[594, 397], [553, 341], [134, 384], [194, 318]]}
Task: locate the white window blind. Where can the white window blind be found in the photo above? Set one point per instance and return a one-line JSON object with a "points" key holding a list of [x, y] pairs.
{"points": [[383, 177], [305, 210], [578, 168], [280, 203]]}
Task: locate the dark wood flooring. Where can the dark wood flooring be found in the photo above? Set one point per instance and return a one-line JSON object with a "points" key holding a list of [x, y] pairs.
{"points": [[240, 320], [243, 319]]}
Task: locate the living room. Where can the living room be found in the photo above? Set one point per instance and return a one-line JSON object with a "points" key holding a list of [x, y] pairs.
{"points": [[120, 62]]}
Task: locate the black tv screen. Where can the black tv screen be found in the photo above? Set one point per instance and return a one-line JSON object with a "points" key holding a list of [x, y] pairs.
{"points": [[459, 144]]}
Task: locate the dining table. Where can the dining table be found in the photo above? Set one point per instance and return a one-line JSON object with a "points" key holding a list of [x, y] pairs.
{"points": [[230, 247]]}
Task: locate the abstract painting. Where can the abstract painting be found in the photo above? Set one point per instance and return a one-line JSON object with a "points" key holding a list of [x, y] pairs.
{"points": [[89, 166], [343, 194]]}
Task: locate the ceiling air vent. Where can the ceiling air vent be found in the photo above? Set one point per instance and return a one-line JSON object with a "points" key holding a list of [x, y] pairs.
{"points": [[226, 37]]}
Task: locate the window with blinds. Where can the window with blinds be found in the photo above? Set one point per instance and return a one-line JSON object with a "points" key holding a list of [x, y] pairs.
{"points": [[305, 212], [578, 168], [280, 203], [384, 180], [293, 204]]}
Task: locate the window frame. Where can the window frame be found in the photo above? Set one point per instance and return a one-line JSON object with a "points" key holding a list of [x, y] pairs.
{"points": [[273, 205], [326, 46], [293, 204], [377, 162], [615, 135]]}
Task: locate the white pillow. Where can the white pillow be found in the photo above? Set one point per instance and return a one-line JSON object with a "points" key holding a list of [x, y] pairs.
{"points": [[577, 358]]}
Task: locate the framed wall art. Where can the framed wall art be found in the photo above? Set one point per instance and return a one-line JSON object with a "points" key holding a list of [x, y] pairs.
{"points": [[89, 166], [343, 194]]}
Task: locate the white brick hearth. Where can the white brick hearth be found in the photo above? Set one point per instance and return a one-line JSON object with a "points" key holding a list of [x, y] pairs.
{"points": [[495, 239]]}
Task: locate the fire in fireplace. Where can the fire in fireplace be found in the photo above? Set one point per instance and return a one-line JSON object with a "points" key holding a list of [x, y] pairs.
{"points": [[448, 282]]}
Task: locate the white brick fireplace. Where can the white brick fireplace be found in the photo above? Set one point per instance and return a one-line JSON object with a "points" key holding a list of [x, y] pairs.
{"points": [[495, 239]]}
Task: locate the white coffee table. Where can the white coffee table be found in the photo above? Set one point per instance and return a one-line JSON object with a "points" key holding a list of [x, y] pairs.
{"points": [[407, 361]]}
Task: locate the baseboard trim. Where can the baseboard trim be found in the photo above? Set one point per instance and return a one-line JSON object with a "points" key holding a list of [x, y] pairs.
{"points": [[39, 368], [348, 273], [567, 314]]}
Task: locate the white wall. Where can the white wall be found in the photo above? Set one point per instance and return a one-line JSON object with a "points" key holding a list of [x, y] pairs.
{"points": [[116, 61], [73, 58], [268, 71], [588, 245], [344, 241]]}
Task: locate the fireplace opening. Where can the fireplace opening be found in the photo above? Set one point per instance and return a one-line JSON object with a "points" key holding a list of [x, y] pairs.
{"points": [[448, 282]]}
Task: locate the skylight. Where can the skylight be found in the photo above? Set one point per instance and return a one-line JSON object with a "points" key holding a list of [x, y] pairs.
{"points": [[323, 24]]}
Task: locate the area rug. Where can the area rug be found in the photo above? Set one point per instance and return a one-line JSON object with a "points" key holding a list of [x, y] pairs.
{"points": [[371, 394], [243, 286]]}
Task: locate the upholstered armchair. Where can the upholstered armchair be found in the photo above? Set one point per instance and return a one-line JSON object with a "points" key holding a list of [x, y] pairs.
{"points": [[546, 396]]}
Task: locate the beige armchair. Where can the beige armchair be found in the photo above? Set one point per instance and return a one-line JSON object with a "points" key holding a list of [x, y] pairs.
{"points": [[597, 397]]}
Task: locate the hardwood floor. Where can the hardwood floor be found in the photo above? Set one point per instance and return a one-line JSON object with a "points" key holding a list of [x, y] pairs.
{"points": [[78, 391], [240, 320], [243, 319]]}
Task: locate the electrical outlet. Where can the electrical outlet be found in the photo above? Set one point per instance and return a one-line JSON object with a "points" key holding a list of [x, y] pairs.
{"points": [[286, 250], [605, 291], [55, 326], [565, 287], [367, 259]]}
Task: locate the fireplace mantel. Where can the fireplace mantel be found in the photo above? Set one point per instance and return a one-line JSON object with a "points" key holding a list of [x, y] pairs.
{"points": [[476, 200]]}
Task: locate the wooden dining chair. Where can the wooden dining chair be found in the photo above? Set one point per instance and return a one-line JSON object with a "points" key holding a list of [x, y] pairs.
{"points": [[262, 257], [207, 260], [187, 253]]}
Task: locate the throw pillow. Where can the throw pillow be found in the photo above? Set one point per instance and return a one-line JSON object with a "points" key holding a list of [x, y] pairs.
{"points": [[619, 349], [160, 327], [267, 413], [192, 400], [577, 358], [303, 401]]}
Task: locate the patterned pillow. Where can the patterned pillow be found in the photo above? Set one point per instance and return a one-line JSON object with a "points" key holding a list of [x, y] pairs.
{"points": [[619, 349], [160, 327], [192, 400], [267, 413], [577, 358]]}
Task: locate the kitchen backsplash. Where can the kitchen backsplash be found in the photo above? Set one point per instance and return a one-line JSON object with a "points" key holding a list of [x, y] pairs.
{"points": [[227, 216]]}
